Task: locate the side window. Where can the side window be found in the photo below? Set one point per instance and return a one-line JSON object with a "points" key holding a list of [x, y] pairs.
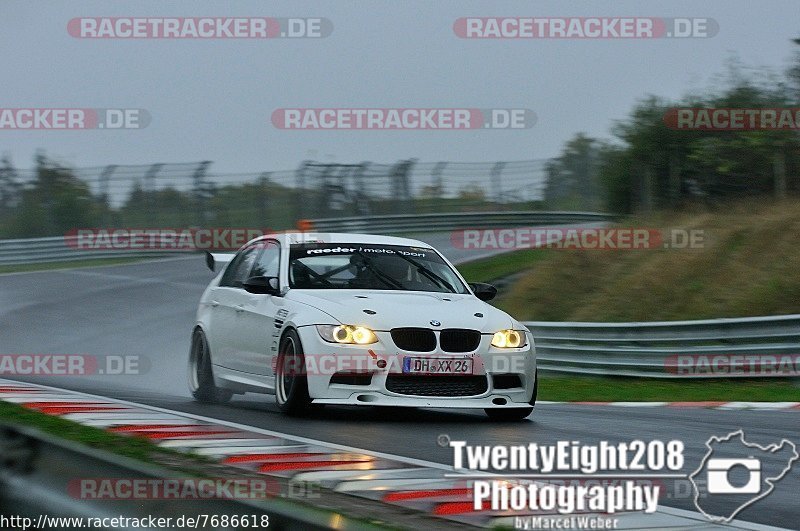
{"points": [[239, 268], [268, 262]]}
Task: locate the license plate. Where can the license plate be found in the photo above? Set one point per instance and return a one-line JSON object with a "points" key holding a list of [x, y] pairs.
{"points": [[437, 365]]}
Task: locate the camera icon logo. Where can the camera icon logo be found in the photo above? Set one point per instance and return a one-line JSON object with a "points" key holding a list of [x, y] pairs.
{"points": [[718, 476], [735, 474]]}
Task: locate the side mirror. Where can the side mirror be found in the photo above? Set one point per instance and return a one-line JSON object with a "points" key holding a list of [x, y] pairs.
{"points": [[483, 291], [261, 285]]}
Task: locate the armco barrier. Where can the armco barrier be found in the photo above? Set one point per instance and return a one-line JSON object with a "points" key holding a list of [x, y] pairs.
{"points": [[653, 349], [56, 249], [452, 221]]}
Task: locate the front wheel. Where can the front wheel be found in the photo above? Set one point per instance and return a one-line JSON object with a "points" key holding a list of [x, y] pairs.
{"points": [[291, 383], [201, 374]]}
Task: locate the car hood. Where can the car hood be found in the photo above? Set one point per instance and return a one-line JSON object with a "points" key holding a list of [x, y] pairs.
{"points": [[394, 309]]}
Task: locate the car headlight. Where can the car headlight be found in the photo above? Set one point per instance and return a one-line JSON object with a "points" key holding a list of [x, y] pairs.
{"points": [[509, 339], [347, 334]]}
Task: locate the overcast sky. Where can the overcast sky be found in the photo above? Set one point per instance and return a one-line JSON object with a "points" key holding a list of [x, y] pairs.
{"points": [[212, 99]]}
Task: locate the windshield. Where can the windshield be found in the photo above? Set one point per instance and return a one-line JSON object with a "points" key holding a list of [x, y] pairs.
{"points": [[363, 266]]}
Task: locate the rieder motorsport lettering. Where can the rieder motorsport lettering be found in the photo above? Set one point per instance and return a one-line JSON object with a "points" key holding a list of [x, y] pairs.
{"points": [[366, 250]]}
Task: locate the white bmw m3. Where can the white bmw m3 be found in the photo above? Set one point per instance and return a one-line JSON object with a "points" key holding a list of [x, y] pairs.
{"points": [[355, 319]]}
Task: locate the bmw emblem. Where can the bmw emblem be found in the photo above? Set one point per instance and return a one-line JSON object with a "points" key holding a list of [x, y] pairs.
{"points": [[435, 323]]}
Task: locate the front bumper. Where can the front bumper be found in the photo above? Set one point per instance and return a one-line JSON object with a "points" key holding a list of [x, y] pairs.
{"points": [[508, 375]]}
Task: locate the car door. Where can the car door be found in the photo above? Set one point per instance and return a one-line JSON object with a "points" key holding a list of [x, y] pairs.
{"points": [[226, 301], [258, 324]]}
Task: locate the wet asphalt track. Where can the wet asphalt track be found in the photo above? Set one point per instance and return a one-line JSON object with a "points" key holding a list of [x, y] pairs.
{"points": [[147, 310]]}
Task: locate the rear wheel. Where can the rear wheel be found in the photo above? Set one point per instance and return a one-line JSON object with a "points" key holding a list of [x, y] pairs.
{"points": [[291, 383], [201, 374]]}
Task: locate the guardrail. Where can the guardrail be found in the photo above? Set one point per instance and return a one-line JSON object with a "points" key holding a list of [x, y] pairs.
{"points": [[660, 349], [64, 248], [401, 223], [57, 249]]}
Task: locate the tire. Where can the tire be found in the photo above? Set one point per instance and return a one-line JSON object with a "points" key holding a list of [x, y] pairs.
{"points": [[201, 373], [515, 413], [291, 382]]}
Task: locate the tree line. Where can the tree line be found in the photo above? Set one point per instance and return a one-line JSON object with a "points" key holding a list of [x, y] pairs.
{"points": [[648, 163]]}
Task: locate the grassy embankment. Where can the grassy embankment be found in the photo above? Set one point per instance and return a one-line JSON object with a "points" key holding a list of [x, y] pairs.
{"points": [[749, 265]]}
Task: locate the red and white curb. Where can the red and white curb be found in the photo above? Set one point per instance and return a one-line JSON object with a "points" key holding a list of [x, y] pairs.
{"points": [[415, 484], [737, 406]]}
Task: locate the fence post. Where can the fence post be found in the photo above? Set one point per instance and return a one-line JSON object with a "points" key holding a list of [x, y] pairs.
{"points": [[401, 188], [362, 193], [323, 199], [201, 203], [262, 199], [103, 181], [497, 183], [150, 190], [436, 179], [300, 186], [10, 189]]}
